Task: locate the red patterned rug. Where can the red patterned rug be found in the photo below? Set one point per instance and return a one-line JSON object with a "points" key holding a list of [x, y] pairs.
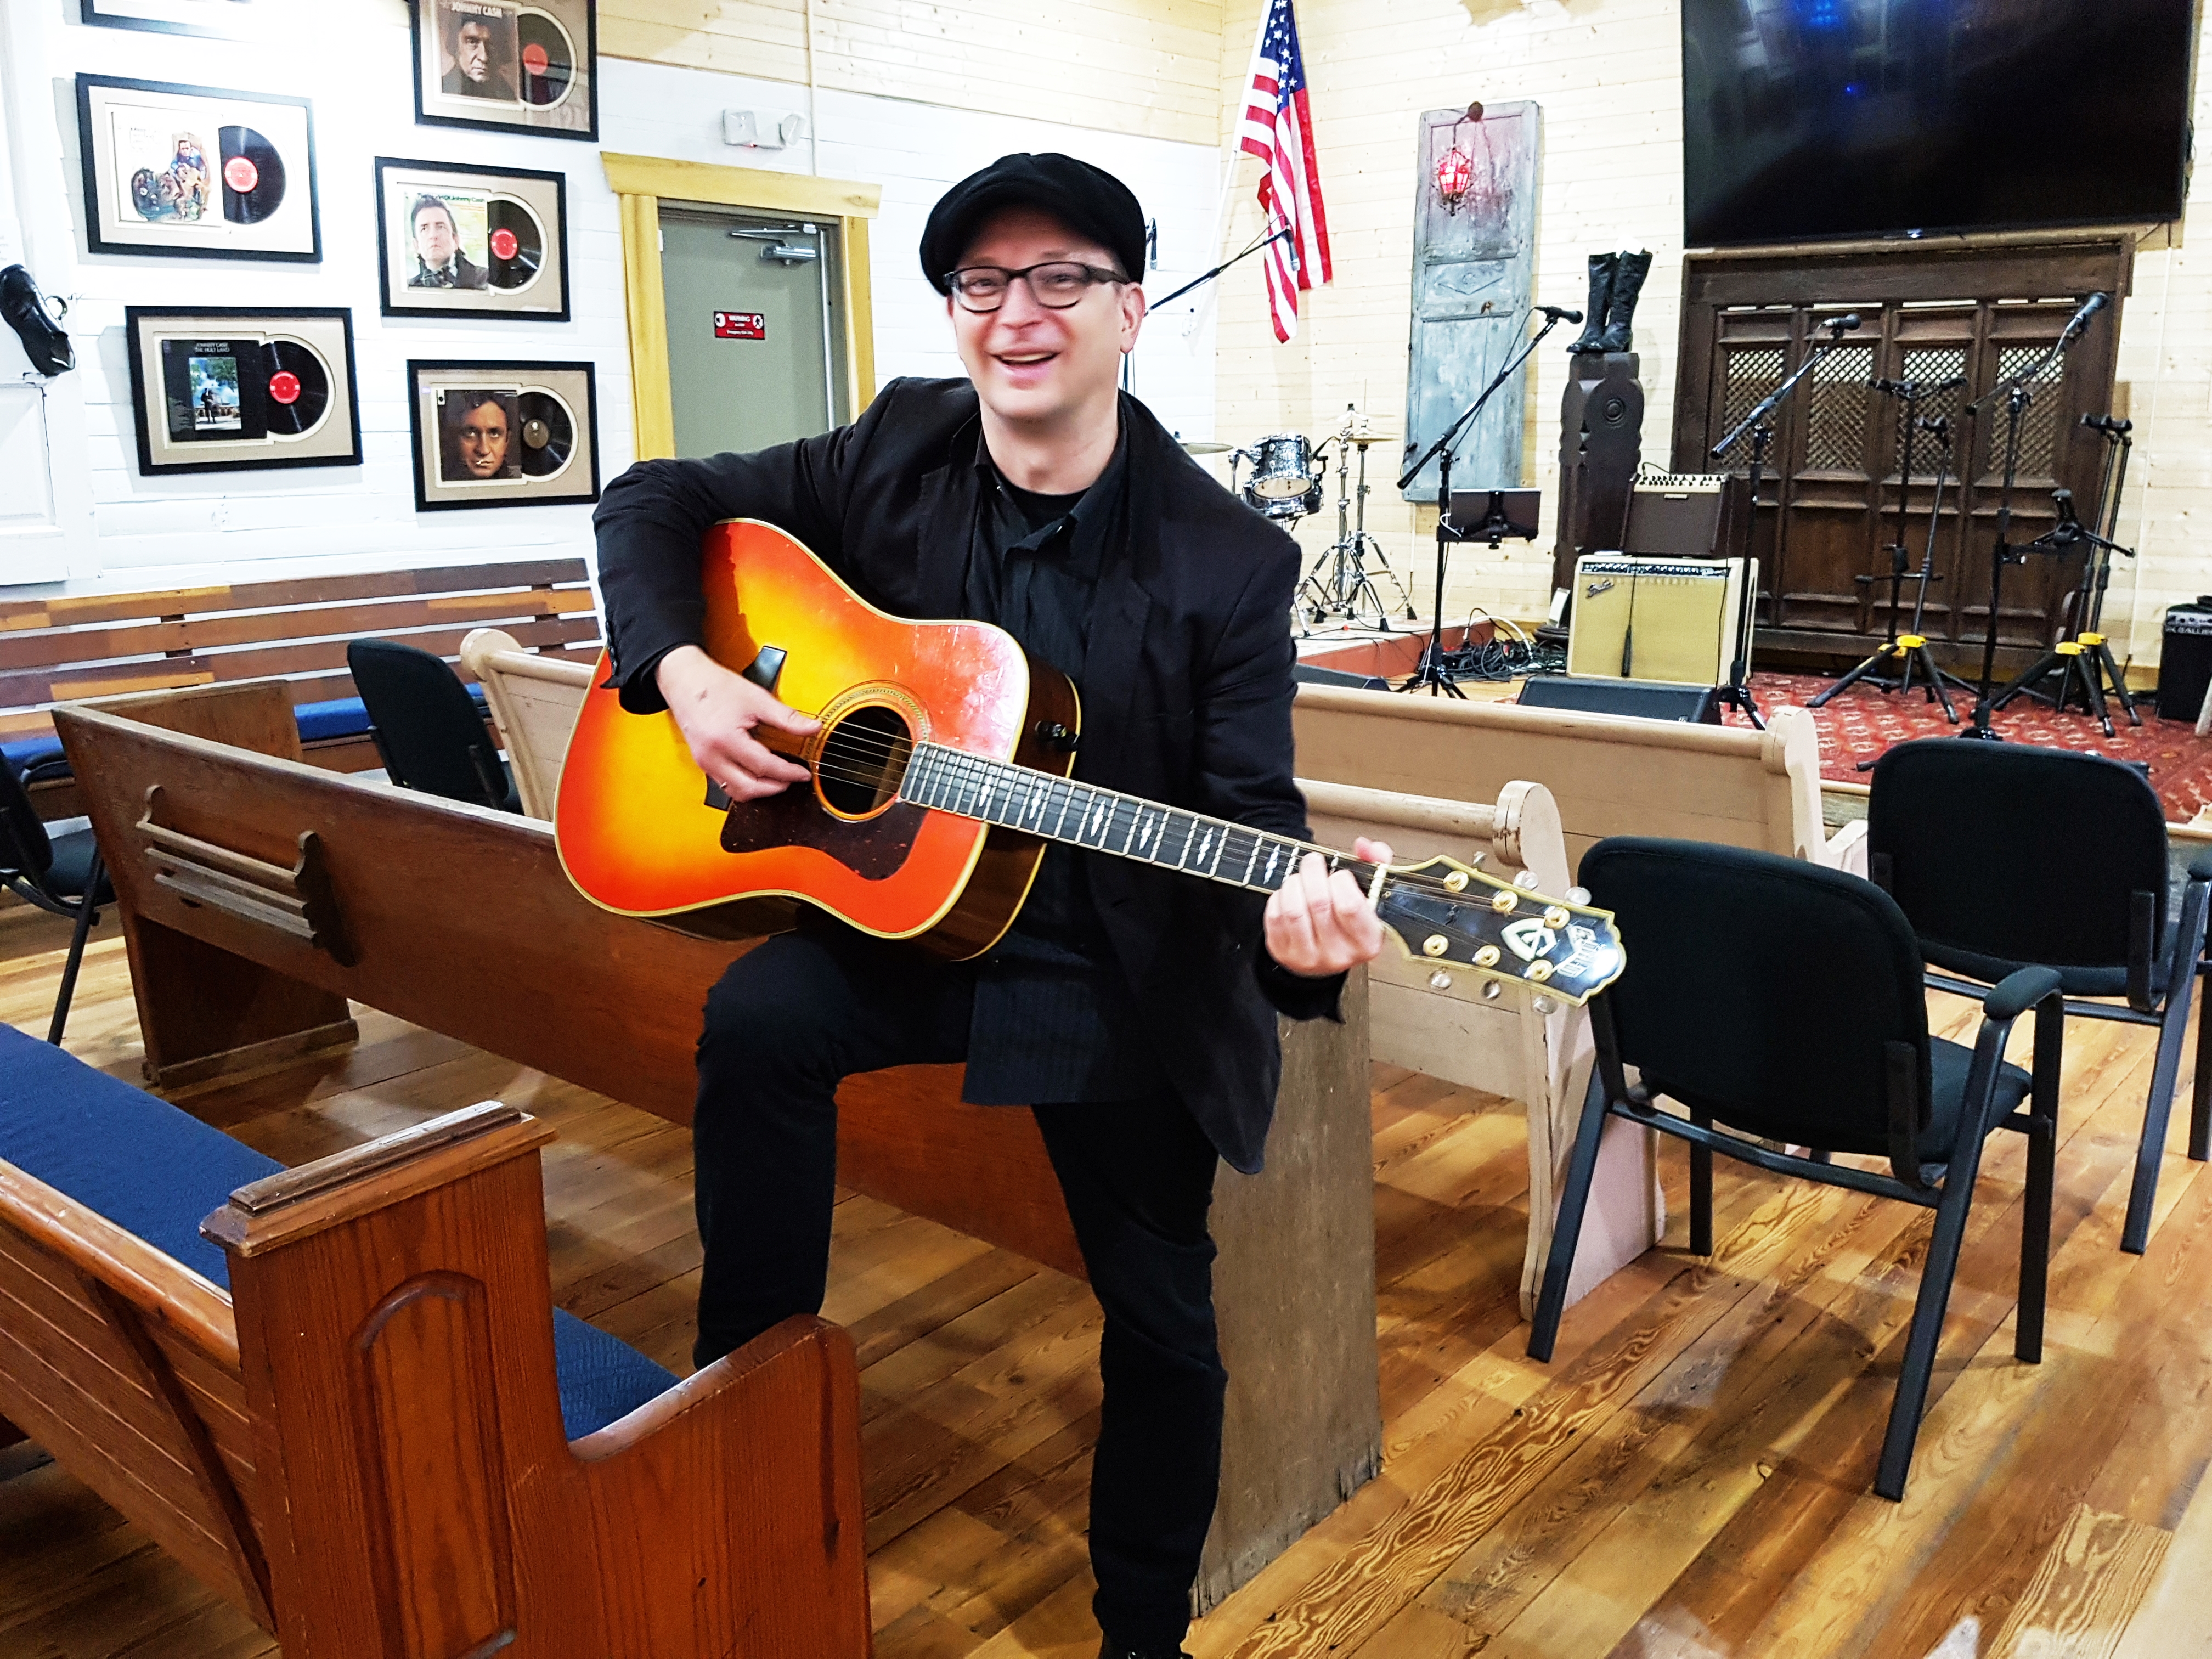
{"points": [[1859, 725]]}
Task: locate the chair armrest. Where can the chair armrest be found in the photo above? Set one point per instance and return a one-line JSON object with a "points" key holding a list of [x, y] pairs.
{"points": [[2200, 865], [2018, 992], [1846, 850]]}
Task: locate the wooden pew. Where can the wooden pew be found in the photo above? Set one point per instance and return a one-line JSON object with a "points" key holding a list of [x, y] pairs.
{"points": [[361, 1444], [1525, 1047], [1609, 776], [1503, 1038], [293, 632], [258, 895]]}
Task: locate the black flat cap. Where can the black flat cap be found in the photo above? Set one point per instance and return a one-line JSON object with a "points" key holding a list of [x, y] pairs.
{"points": [[1088, 200]]}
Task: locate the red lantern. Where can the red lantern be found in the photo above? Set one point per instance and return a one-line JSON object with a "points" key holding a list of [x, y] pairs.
{"points": [[1455, 175]]}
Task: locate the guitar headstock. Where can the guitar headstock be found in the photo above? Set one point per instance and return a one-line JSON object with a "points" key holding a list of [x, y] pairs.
{"points": [[1445, 913]]}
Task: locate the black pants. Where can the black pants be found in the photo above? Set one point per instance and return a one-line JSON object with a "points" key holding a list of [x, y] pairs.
{"points": [[800, 1013]]}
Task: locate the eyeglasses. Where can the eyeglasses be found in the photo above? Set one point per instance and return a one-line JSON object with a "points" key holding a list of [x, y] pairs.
{"points": [[1056, 285]]}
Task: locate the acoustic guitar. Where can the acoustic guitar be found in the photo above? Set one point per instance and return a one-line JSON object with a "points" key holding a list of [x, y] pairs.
{"points": [[939, 775]]}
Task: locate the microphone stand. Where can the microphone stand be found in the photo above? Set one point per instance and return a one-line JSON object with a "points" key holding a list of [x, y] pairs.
{"points": [[2017, 393], [1737, 692], [1433, 674], [1279, 233]]}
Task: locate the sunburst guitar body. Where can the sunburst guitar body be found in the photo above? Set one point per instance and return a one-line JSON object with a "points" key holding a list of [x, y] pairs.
{"points": [[939, 776]]}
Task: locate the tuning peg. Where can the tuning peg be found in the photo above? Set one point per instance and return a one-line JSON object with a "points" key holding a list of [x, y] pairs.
{"points": [[1527, 881], [1578, 895]]}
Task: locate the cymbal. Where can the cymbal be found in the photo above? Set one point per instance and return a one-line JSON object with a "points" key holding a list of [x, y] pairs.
{"points": [[1202, 446], [1363, 439]]}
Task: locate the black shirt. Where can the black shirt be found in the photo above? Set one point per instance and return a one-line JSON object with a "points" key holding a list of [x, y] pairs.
{"points": [[1054, 1018]]}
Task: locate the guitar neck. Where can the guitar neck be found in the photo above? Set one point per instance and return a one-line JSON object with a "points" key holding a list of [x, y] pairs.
{"points": [[1105, 821]]}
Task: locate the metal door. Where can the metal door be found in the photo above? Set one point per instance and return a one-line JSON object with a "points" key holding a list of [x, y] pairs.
{"points": [[755, 343]]}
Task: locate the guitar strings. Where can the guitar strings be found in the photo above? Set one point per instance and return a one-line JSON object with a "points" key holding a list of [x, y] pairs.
{"points": [[966, 767]]}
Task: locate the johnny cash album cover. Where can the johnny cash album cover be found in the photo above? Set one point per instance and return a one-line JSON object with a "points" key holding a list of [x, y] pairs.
{"points": [[518, 65], [483, 241], [197, 171], [236, 388]]}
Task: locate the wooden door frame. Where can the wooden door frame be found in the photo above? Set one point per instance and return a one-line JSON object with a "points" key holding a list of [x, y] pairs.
{"points": [[643, 183]]}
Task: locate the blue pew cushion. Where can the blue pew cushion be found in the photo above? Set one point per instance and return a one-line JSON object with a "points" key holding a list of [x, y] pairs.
{"points": [[157, 1171], [335, 717]]}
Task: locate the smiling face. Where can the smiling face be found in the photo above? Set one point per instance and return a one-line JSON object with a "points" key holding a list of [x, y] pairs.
{"points": [[1042, 371], [472, 49], [483, 440], [433, 235]]}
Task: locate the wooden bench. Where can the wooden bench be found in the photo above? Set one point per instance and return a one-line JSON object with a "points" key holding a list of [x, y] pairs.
{"points": [[360, 1419], [258, 895], [1610, 776], [1509, 1042], [293, 632]]}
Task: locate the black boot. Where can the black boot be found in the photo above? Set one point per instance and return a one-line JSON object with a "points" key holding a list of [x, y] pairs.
{"points": [[1628, 276], [1601, 269], [25, 309]]}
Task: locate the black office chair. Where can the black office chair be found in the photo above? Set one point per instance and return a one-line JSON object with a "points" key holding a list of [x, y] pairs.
{"points": [[1772, 998], [427, 727], [2003, 856], [62, 875]]}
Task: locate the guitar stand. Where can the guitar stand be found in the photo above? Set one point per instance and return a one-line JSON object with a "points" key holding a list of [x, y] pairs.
{"points": [[1908, 651]]}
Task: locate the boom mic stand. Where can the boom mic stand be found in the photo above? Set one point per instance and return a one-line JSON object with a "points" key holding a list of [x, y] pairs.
{"points": [[1737, 692], [2017, 394], [1910, 649], [1433, 673], [1279, 233]]}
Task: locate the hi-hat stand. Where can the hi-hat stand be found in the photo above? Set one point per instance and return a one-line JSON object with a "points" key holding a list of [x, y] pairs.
{"points": [[1348, 587], [1433, 674], [2017, 393], [2084, 661], [1908, 650], [1736, 693]]}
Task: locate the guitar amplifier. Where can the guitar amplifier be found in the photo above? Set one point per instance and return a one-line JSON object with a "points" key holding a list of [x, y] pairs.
{"points": [[1658, 619], [1686, 515], [2184, 660]]}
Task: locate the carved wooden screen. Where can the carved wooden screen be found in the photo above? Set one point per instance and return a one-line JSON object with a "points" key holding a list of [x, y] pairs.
{"points": [[1828, 506]]}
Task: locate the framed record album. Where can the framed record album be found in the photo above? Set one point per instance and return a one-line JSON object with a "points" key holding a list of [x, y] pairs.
{"points": [[223, 20], [197, 171], [512, 66], [231, 388], [472, 241], [503, 435]]}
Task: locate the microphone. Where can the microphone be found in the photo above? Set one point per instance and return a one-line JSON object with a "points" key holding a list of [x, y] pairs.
{"points": [[1560, 313], [2107, 424], [1840, 326], [2080, 320]]}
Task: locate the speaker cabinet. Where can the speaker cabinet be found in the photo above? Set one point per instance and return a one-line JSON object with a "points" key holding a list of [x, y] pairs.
{"points": [[1646, 699], [2184, 662], [1680, 620]]}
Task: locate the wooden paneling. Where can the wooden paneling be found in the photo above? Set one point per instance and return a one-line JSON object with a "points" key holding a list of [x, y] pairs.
{"points": [[1829, 493], [1146, 66]]}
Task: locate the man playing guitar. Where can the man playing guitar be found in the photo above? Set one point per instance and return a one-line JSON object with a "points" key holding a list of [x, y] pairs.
{"points": [[1133, 1012]]}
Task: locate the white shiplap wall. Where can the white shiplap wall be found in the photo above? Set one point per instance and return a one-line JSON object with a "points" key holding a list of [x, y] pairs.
{"points": [[106, 526]]}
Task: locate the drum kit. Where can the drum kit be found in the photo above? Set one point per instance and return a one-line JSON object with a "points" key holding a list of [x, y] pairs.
{"points": [[1290, 473]]}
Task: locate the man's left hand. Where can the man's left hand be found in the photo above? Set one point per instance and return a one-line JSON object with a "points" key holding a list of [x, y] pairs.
{"points": [[1320, 924]]}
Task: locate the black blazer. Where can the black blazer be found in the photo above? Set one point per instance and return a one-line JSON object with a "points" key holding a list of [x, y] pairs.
{"points": [[1187, 678]]}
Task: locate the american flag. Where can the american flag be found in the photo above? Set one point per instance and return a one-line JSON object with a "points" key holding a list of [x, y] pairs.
{"points": [[1278, 128]]}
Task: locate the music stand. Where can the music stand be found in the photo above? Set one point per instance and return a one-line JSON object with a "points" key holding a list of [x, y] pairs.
{"points": [[1433, 674]]}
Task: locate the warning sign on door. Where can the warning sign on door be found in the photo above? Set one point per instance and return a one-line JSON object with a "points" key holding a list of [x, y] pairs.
{"points": [[740, 325]]}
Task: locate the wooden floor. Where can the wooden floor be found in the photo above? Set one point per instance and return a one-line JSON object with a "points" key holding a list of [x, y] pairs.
{"points": [[1688, 1479]]}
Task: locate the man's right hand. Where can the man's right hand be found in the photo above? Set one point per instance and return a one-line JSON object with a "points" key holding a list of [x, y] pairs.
{"points": [[718, 712]]}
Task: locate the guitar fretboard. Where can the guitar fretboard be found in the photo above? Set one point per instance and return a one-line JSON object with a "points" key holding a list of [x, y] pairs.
{"points": [[1080, 815]]}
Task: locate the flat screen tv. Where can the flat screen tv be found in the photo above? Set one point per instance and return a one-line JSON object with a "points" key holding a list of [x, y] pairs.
{"points": [[1805, 119]]}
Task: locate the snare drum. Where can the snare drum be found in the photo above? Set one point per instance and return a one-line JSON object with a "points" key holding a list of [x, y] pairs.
{"points": [[1287, 480]]}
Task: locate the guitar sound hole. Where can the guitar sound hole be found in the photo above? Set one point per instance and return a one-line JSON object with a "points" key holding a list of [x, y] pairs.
{"points": [[863, 759]]}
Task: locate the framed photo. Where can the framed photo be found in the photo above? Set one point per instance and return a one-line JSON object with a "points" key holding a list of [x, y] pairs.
{"points": [[197, 171], [223, 20], [472, 241], [503, 435], [235, 388], [510, 65]]}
